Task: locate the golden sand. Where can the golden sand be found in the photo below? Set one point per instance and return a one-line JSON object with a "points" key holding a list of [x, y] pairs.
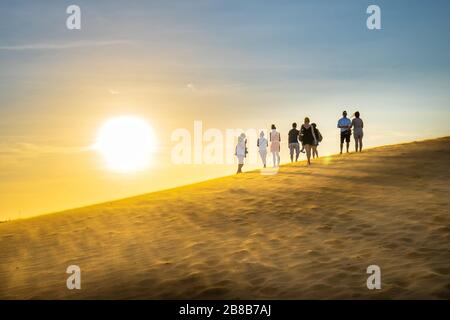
{"points": [[306, 232]]}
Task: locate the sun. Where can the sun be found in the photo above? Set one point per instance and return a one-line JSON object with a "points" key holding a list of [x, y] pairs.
{"points": [[126, 143]]}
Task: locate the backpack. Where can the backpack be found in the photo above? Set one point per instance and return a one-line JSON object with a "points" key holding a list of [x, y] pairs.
{"points": [[319, 136]]}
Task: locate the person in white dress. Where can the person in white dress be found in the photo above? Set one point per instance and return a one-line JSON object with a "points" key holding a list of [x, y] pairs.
{"points": [[262, 145], [241, 151]]}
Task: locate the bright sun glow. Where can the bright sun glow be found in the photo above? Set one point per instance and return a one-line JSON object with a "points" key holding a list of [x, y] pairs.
{"points": [[126, 143]]}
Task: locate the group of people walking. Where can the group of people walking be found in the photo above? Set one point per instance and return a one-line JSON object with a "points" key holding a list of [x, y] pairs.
{"points": [[308, 137]]}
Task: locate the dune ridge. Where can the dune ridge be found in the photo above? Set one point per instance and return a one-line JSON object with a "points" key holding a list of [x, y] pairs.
{"points": [[304, 233]]}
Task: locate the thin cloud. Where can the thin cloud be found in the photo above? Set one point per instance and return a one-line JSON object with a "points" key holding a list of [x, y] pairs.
{"points": [[113, 92], [216, 89], [63, 46], [27, 149]]}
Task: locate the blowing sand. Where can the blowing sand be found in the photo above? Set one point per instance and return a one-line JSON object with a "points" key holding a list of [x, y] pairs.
{"points": [[307, 232]]}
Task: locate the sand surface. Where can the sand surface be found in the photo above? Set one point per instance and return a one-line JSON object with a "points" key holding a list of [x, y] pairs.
{"points": [[304, 233]]}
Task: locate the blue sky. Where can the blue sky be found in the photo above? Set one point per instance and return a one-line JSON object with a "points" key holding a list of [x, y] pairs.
{"points": [[274, 45]]}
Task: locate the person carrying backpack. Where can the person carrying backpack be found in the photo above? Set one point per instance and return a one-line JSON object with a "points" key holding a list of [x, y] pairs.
{"points": [[319, 139]]}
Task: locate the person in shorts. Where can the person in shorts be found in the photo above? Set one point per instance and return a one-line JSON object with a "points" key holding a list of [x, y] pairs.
{"points": [[345, 125], [358, 125], [293, 144], [309, 138]]}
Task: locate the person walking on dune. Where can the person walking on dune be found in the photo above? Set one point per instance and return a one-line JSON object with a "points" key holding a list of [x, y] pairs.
{"points": [[345, 125], [318, 135], [308, 138], [358, 126], [241, 151], [275, 140], [293, 142], [262, 145]]}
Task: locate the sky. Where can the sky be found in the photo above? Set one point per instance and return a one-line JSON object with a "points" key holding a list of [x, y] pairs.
{"points": [[229, 64]]}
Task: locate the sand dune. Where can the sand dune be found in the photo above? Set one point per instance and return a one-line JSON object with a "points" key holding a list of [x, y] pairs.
{"points": [[307, 232]]}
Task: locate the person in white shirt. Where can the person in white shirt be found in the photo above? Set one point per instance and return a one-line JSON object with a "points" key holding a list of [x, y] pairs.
{"points": [[345, 124], [262, 145], [241, 151]]}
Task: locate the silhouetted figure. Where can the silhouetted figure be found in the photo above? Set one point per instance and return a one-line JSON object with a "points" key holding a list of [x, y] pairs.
{"points": [[318, 135], [293, 142], [308, 138], [358, 126], [345, 125]]}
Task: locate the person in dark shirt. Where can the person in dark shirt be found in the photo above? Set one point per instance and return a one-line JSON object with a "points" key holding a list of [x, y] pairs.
{"points": [[293, 142], [308, 138], [318, 135]]}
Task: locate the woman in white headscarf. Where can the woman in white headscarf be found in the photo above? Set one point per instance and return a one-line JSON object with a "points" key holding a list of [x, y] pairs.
{"points": [[241, 151], [262, 145]]}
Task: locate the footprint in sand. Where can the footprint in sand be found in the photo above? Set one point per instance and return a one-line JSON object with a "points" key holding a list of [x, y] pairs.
{"points": [[324, 227]]}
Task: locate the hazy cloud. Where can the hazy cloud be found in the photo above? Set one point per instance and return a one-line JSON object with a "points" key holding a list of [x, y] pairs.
{"points": [[31, 149], [63, 46], [113, 92]]}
